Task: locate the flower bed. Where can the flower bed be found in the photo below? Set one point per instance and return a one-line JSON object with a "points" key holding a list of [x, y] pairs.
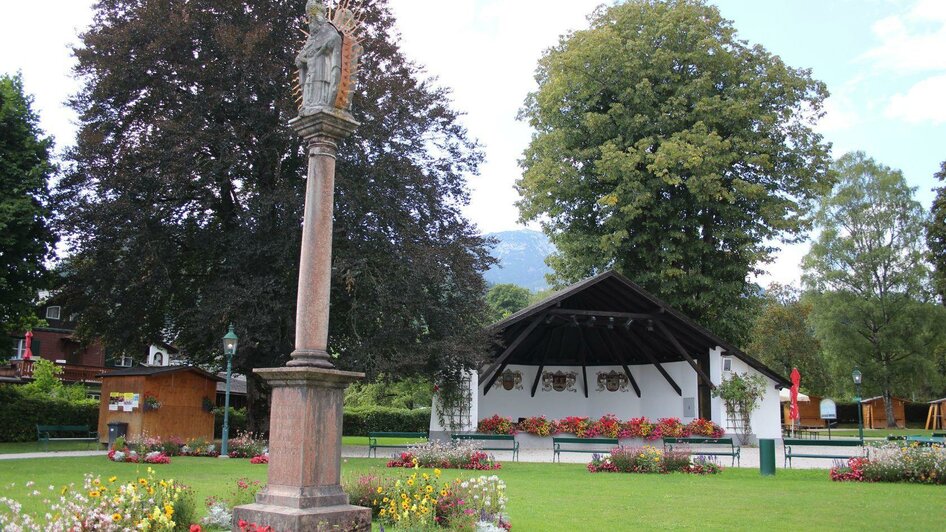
{"points": [[648, 459], [446, 455], [607, 425], [143, 504], [422, 501], [130, 455], [220, 509], [896, 463]]}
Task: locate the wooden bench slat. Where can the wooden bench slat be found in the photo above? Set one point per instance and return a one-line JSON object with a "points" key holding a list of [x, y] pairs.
{"points": [[373, 444], [557, 442], [788, 443], [735, 452]]}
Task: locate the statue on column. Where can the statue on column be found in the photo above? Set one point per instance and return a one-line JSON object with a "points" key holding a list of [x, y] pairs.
{"points": [[329, 58], [320, 60]]}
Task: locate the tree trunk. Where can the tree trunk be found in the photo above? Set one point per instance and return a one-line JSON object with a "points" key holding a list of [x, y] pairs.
{"points": [[257, 405], [888, 408]]}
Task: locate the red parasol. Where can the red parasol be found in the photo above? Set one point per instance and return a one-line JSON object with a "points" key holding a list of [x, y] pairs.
{"points": [[27, 354], [796, 380]]}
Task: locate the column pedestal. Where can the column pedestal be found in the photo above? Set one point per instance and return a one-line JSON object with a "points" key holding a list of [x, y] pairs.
{"points": [[305, 444]]}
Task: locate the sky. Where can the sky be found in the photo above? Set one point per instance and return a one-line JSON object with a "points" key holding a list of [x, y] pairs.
{"points": [[884, 62]]}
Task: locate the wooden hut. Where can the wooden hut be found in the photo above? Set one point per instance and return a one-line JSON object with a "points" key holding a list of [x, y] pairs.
{"points": [[875, 414], [159, 402], [809, 413]]}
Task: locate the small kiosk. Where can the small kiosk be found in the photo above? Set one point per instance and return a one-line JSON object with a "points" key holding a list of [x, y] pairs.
{"points": [[160, 402], [875, 413]]}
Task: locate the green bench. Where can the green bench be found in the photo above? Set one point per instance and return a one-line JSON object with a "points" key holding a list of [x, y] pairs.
{"points": [[790, 443], [565, 444], [48, 433], [373, 444], [494, 442], [718, 447]]}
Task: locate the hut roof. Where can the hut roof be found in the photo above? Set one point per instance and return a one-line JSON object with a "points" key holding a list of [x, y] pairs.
{"points": [[157, 370], [606, 320]]}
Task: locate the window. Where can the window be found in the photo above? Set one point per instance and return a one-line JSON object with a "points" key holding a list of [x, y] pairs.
{"points": [[727, 364], [52, 313], [19, 348], [123, 361]]}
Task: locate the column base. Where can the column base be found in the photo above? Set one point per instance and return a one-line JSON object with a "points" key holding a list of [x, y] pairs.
{"points": [[312, 358], [342, 517]]}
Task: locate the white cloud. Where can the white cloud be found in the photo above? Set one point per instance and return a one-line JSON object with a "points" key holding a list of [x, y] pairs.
{"points": [[839, 114], [912, 42], [924, 102]]}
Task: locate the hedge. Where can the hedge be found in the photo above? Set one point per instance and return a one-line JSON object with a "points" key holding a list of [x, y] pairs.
{"points": [[19, 413], [361, 421], [236, 420]]}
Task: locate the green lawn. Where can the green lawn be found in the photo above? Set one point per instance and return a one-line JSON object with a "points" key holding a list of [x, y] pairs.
{"points": [[567, 497]]}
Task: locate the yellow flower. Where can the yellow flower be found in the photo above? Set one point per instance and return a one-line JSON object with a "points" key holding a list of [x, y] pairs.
{"points": [[437, 472], [443, 493], [410, 482], [94, 493], [143, 481], [169, 510], [429, 488], [405, 505], [112, 478], [116, 517], [382, 512], [404, 496], [380, 489]]}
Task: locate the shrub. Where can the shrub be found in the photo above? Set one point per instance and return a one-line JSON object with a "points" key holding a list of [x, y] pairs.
{"points": [[446, 455], [361, 421], [649, 459], [703, 427], [21, 413], [237, 420], [496, 425], [896, 463], [146, 503], [540, 426], [422, 501], [573, 425], [608, 426], [245, 445]]}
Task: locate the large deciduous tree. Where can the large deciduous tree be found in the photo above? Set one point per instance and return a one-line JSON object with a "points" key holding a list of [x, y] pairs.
{"points": [[782, 337], [505, 299], [872, 301], [185, 199], [936, 235], [26, 240], [672, 151]]}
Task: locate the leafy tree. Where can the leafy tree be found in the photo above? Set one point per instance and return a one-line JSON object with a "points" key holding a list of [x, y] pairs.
{"points": [[186, 196], [670, 150], [506, 299], [873, 302], [26, 240], [936, 235], [783, 338], [46, 383], [412, 392]]}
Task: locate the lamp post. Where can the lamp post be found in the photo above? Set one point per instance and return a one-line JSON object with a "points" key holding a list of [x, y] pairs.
{"points": [[856, 375], [229, 349]]}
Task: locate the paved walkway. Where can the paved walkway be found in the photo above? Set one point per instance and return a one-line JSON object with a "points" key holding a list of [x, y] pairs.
{"points": [[749, 458]]}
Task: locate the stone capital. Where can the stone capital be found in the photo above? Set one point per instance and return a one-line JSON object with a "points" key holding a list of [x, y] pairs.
{"points": [[308, 376], [328, 122]]}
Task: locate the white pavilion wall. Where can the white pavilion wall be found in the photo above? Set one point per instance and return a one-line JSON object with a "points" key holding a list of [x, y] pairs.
{"points": [[766, 420], [658, 399]]}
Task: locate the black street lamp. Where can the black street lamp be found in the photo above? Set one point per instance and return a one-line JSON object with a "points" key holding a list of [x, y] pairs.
{"points": [[229, 349], [856, 375]]}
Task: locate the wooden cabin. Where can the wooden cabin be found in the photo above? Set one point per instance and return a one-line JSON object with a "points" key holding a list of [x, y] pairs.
{"points": [[809, 413], [186, 396], [875, 414]]}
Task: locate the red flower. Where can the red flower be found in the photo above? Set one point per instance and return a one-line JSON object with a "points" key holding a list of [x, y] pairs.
{"points": [[195, 528]]}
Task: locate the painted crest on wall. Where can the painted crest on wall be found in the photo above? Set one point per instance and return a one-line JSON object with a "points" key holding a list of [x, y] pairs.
{"points": [[612, 381], [509, 380], [559, 381]]}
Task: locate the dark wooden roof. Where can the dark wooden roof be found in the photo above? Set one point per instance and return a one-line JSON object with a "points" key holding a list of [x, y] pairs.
{"points": [[606, 320], [157, 370]]}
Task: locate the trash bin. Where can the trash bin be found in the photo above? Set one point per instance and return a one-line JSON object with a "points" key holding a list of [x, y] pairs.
{"points": [[767, 457], [116, 429]]}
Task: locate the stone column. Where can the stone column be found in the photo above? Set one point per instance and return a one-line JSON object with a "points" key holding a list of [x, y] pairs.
{"points": [[305, 429]]}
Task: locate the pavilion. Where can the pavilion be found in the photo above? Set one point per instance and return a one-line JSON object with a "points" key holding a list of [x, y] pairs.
{"points": [[606, 346]]}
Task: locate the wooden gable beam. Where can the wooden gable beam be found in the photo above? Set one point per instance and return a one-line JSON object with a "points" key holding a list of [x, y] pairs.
{"points": [[603, 313], [512, 347], [609, 348], [676, 344], [644, 350], [541, 345]]}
